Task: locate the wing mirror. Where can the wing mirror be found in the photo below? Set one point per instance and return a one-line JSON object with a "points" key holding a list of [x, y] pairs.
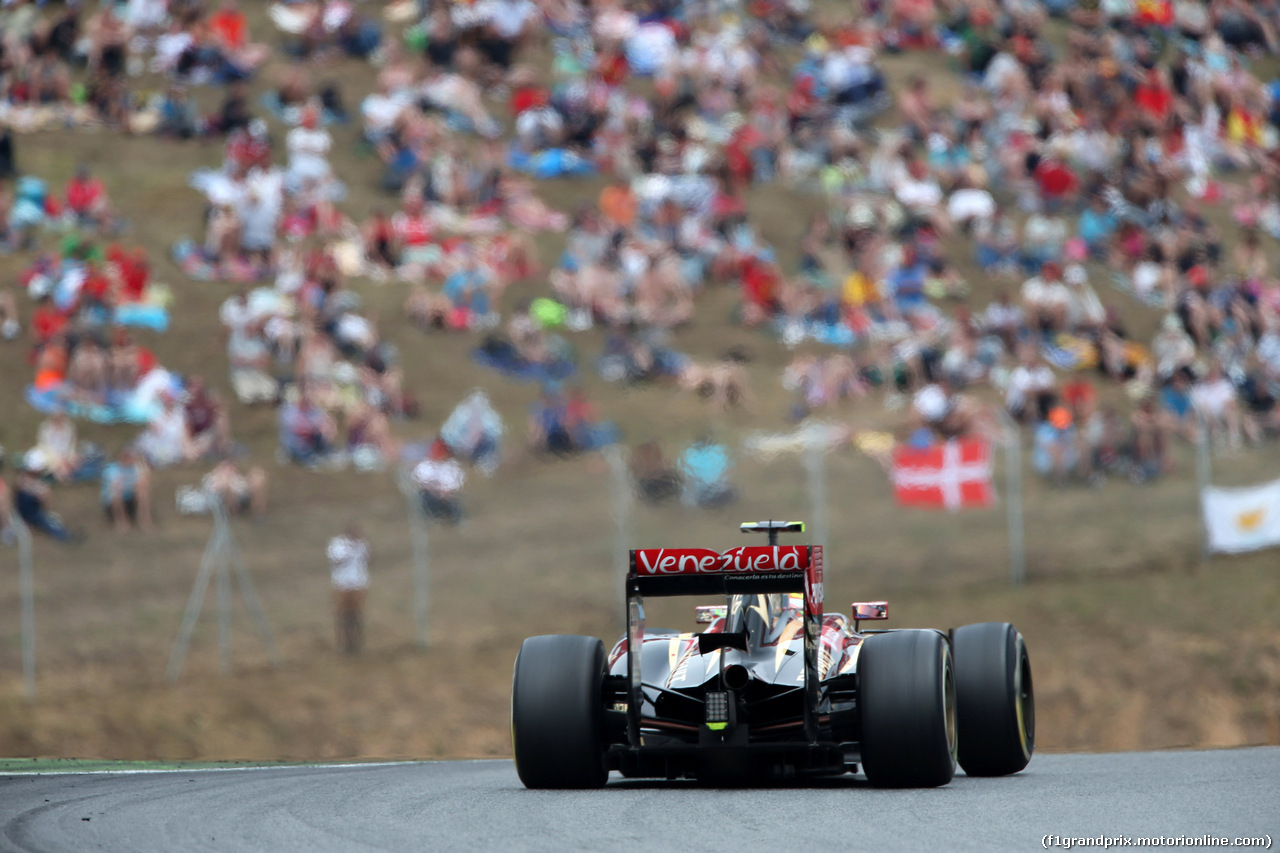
{"points": [[708, 613], [868, 610]]}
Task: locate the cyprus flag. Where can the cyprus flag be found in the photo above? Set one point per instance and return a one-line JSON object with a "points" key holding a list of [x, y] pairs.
{"points": [[1242, 519]]}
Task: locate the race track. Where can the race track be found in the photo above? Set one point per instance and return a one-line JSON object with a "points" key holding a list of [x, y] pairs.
{"points": [[480, 805]]}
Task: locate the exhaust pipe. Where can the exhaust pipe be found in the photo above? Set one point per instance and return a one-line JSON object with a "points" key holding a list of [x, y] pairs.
{"points": [[736, 676]]}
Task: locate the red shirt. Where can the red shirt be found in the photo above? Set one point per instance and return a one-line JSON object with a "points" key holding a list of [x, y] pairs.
{"points": [[1154, 13], [83, 195], [244, 150], [801, 98], [526, 98], [147, 361], [46, 321], [758, 284], [413, 230], [96, 287], [613, 69], [133, 279], [230, 27], [726, 205], [1156, 101], [1055, 179]]}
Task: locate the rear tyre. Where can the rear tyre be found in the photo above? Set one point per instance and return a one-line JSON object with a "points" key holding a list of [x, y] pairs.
{"points": [[995, 703], [556, 712], [906, 691]]}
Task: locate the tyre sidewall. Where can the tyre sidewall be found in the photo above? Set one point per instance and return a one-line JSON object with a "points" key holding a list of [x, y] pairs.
{"points": [[556, 714], [996, 728], [906, 696]]}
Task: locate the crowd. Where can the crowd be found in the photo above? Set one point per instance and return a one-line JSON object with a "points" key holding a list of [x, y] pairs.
{"points": [[1096, 161]]}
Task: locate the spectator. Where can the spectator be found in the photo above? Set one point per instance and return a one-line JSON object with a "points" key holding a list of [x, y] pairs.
{"points": [[1214, 399], [240, 489], [126, 491], [179, 117], [56, 439], [249, 356], [1176, 406], [1151, 431], [1046, 300], [439, 479], [32, 499], [307, 432], [468, 289], [1173, 349], [370, 444], [1085, 314], [1030, 392], [8, 159], [1004, 319], [349, 573], [705, 467], [1057, 451], [653, 477], [8, 534], [308, 146], [473, 432], [550, 430], [206, 417], [87, 200], [166, 440]]}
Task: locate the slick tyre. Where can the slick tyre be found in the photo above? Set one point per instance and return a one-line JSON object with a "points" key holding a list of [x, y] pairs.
{"points": [[556, 712], [906, 690], [995, 704]]}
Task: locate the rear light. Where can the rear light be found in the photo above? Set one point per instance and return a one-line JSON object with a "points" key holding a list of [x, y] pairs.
{"points": [[717, 707]]}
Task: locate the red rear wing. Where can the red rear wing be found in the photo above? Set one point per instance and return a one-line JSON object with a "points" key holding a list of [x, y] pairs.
{"points": [[746, 569], [647, 562]]}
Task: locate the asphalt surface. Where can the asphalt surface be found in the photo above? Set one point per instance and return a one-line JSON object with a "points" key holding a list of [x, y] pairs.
{"points": [[480, 805]]}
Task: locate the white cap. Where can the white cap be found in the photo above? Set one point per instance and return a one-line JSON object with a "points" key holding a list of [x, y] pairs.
{"points": [[931, 403], [35, 461], [1075, 274]]}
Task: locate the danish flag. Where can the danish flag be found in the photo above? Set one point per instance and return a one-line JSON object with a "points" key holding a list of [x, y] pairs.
{"points": [[953, 475]]}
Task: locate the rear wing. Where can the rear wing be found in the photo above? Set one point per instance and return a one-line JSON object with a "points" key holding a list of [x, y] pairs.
{"points": [[755, 569], [747, 569]]}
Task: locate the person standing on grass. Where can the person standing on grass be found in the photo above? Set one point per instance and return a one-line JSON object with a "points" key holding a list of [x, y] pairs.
{"points": [[349, 569]]}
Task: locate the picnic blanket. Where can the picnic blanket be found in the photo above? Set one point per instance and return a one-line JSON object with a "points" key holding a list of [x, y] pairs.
{"points": [[501, 356], [136, 407], [550, 163]]}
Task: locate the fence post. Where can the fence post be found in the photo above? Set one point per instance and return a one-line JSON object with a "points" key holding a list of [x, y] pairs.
{"points": [[26, 590], [815, 464], [421, 558], [1204, 475], [223, 581], [620, 492], [1013, 486]]}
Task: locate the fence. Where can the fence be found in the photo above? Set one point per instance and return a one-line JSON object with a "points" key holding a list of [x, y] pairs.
{"points": [[522, 560], [1038, 530]]}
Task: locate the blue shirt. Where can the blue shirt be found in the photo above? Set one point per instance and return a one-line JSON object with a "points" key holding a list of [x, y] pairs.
{"points": [[1178, 402], [907, 284], [1094, 227], [706, 463], [462, 281], [125, 475]]}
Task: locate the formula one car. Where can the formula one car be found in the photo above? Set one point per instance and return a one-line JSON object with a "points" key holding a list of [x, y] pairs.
{"points": [[772, 689]]}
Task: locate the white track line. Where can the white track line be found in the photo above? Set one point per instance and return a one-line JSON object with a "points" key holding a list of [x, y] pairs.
{"points": [[126, 771]]}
